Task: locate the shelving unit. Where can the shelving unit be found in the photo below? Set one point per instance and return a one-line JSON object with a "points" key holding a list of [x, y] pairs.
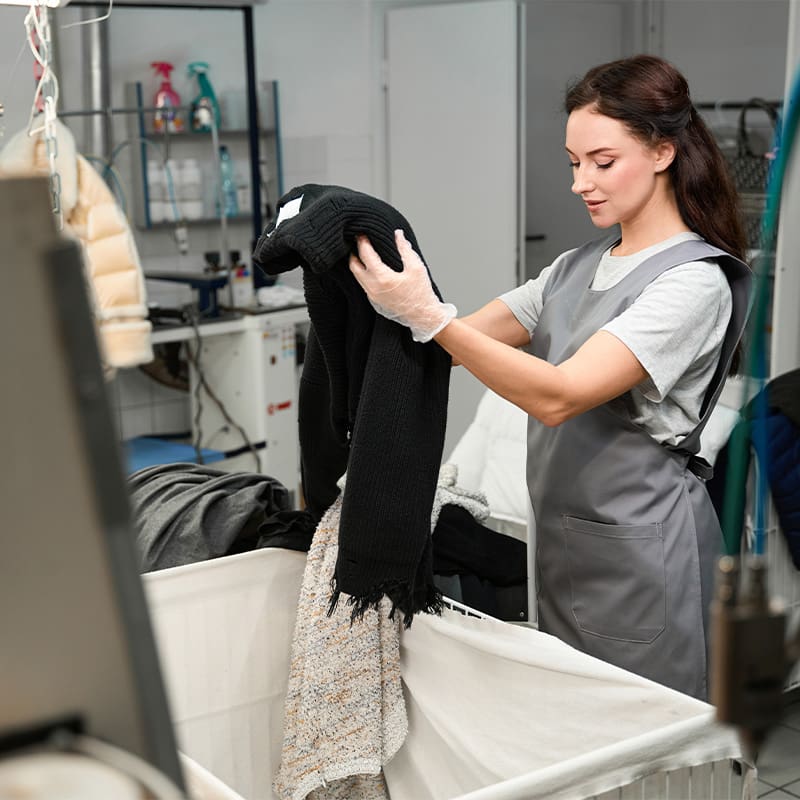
{"points": [[262, 130], [202, 221], [200, 145]]}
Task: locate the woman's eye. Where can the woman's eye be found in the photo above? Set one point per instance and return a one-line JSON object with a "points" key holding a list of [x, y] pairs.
{"points": [[606, 165], [574, 164]]}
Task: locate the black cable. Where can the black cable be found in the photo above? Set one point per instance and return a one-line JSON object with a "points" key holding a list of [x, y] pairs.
{"points": [[194, 357], [197, 439]]}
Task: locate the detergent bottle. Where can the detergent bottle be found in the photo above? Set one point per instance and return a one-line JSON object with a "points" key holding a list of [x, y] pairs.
{"points": [[168, 116], [205, 108]]}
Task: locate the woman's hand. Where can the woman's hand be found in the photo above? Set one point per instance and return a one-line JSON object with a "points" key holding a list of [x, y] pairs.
{"points": [[406, 297]]}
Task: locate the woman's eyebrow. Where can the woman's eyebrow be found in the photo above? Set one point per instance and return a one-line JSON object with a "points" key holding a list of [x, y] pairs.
{"points": [[593, 152]]}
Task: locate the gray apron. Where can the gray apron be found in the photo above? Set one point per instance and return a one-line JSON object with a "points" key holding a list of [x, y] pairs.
{"points": [[626, 536]]}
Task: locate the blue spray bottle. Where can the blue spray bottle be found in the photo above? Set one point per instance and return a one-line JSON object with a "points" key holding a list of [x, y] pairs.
{"points": [[205, 108]]}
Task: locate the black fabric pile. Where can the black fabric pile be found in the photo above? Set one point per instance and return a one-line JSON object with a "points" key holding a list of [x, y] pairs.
{"points": [[464, 546], [184, 513], [372, 401], [480, 567]]}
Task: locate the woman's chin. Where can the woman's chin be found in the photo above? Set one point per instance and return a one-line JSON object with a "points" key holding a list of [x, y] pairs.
{"points": [[602, 223]]}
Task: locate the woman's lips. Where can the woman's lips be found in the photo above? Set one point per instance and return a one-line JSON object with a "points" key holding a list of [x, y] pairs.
{"points": [[593, 205]]}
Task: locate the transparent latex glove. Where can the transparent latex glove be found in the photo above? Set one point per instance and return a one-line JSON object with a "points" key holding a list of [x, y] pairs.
{"points": [[406, 297]]}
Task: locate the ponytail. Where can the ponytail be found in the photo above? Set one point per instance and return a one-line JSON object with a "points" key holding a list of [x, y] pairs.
{"points": [[706, 196]]}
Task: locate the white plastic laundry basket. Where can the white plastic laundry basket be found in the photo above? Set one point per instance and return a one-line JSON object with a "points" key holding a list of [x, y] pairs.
{"points": [[224, 630]]}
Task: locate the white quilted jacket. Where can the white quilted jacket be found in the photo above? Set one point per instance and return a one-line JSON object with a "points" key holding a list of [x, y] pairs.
{"points": [[91, 214]]}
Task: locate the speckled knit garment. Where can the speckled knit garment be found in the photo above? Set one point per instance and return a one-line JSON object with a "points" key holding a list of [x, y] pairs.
{"points": [[345, 715]]}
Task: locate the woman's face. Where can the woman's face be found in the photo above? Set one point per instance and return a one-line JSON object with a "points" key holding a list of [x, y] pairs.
{"points": [[614, 173]]}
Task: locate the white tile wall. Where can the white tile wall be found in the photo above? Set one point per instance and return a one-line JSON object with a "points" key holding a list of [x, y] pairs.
{"points": [[141, 406], [135, 388], [135, 421]]}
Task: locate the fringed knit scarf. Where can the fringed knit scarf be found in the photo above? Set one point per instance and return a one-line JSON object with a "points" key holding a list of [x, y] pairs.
{"points": [[372, 401]]}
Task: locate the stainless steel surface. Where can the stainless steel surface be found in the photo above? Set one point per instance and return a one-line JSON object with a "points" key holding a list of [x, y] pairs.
{"points": [[97, 86]]}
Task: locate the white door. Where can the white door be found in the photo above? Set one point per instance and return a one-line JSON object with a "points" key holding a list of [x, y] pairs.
{"points": [[454, 154]]}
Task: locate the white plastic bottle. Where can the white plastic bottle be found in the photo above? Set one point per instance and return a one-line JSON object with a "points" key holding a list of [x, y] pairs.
{"points": [[243, 291], [172, 190], [244, 197], [191, 185], [155, 192], [241, 282]]}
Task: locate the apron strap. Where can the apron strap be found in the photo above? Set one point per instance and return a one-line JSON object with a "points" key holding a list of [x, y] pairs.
{"points": [[700, 467], [740, 279]]}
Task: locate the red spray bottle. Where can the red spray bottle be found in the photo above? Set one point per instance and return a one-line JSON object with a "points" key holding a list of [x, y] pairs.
{"points": [[168, 116]]}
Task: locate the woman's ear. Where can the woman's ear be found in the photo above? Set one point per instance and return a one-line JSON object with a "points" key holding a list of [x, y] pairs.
{"points": [[664, 153]]}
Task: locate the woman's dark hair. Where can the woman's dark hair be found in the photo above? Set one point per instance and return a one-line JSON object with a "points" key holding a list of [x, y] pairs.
{"points": [[651, 98]]}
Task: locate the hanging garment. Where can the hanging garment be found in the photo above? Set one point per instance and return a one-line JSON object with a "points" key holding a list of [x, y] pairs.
{"points": [[372, 401], [111, 262], [782, 454], [626, 536], [778, 455], [783, 472]]}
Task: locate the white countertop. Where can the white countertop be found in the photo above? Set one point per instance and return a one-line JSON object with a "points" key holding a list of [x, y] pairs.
{"points": [[257, 317]]}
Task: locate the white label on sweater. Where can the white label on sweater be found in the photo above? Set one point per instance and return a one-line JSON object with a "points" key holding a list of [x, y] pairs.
{"points": [[291, 209]]}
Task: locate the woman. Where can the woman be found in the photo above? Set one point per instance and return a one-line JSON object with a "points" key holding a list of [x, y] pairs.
{"points": [[617, 352]]}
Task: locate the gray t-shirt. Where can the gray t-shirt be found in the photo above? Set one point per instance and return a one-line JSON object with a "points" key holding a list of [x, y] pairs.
{"points": [[675, 328]]}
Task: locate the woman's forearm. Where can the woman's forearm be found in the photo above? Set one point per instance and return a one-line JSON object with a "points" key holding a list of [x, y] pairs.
{"points": [[496, 320], [501, 367], [600, 370]]}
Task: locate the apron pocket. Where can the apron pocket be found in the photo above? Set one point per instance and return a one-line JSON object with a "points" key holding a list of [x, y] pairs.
{"points": [[617, 577]]}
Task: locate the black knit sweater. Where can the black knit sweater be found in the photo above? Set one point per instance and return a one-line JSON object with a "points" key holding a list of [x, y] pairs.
{"points": [[372, 401]]}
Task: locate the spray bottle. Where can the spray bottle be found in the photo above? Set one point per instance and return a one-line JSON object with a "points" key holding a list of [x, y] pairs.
{"points": [[168, 117], [205, 108]]}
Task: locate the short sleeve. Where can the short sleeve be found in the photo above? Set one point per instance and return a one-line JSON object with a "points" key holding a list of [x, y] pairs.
{"points": [[525, 302], [676, 325]]}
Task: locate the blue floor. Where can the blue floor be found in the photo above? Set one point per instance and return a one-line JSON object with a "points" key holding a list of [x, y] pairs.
{"points": [[147, 451]]}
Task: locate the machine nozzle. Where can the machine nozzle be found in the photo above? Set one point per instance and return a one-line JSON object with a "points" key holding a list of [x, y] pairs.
{"points": [[748, 652]]}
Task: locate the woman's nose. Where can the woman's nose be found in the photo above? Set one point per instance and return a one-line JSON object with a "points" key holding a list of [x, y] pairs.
{"points": [[580, 182]]}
